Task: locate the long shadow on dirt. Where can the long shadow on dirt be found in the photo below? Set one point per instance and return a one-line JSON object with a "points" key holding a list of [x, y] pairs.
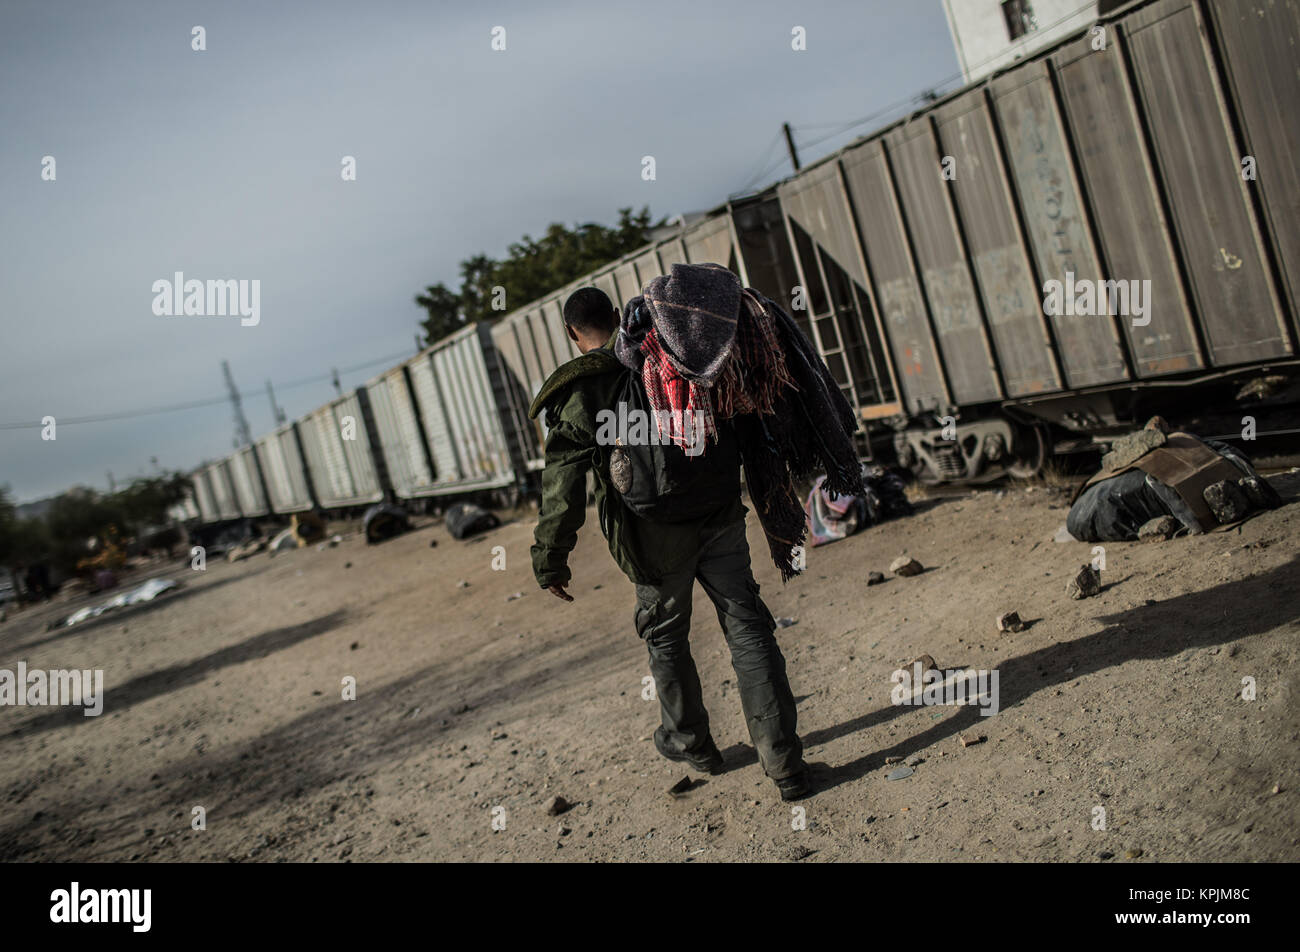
{"points": [[154, 683], [1228, 612]]}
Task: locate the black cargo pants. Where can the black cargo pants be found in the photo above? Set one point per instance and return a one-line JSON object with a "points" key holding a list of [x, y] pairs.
{"points": [[663, 621]]}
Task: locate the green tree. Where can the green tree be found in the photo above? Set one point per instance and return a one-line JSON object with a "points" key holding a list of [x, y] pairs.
{"points": [[531, 269]]}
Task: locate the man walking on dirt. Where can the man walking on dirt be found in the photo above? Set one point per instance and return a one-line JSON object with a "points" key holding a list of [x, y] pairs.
{"points": [[663, 560]]}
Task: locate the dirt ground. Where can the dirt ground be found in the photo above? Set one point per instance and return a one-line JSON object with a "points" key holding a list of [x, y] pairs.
{"points": [[474, 706]]}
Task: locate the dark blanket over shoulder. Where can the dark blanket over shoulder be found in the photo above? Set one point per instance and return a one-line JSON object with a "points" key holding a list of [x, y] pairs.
{"points": [[699, 312]]}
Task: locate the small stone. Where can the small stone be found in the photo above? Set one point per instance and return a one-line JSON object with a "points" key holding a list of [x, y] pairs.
{"points": [[893, 760], [433, 543], [1010, 621], [681, 786], [557, 806], [899, 774], [462, 584], [1086, 583], [786, 622], [1133, 854], [1259, 493], [1158, 529], [905, 566], [354, 646], [875, 578], [926, 662], [1105, 854], [1130, 448], [347, 565], [971, 741], [1063, 534], [1226, 501]]}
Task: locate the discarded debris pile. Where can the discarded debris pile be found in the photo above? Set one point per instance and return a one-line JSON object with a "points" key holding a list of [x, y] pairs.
{"points": [[829, 520], [1154, 485], [384, 521], [465, 519], [145, 592]]}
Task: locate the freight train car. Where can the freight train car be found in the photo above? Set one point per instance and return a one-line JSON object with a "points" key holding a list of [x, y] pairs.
{"points": [[532, 341], [343, 461], [956, 263], [246, 478], [1107, 229], [285, 470]]}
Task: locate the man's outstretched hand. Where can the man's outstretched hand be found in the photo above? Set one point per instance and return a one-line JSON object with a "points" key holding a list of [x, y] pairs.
{"points": [[558, 591]]}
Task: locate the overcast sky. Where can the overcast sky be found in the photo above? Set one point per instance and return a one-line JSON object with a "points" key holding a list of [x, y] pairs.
{"points": [[226, 164]]}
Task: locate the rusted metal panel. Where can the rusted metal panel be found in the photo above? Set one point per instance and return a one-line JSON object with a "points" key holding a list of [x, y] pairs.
{"points": [[1260, 40], [398, 429], [898, 291], [628, 285], [1199, 164], [605, 281], [475, 425], [710, 242], [1131, 227], [813, 200], [223, 493], [647, 268], [1002, 270], [840, 318], [204, 497], [949, 290], [247, 483], [671, 252], [561, 345], [286, 480], [1057, 221]]}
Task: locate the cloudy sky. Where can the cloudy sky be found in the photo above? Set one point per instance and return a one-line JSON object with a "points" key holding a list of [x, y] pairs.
{"points": [[226, 163]]}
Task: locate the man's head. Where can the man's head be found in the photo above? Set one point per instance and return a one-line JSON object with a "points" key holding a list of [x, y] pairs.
{"points": [[589, 318]]}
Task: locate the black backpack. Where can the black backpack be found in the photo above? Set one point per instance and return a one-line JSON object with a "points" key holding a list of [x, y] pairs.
{"points": [[659, 482]]}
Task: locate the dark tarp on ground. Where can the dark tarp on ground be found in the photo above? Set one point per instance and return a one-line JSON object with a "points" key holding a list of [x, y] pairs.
{"points": [[383, 521], [466, 519]]}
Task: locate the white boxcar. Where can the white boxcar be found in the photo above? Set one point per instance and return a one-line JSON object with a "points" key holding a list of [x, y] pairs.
{"points": [[247, 481], [459, 413], [286, 479], [336, 442], [223, 492], [204, 498], [397, 425]]}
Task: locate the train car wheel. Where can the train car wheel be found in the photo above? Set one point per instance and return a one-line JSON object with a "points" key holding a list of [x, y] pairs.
{"points": [[1032, 452]]}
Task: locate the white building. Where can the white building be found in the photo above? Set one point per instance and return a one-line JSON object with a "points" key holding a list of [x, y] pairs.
{"points": [[992, 34]]}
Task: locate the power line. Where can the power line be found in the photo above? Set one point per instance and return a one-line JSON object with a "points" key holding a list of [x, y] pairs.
{"points": [[194, 404], [922, 96]]}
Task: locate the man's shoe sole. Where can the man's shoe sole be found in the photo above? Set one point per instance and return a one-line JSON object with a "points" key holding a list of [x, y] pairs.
{"points": [[712, 768], [796, 791]]}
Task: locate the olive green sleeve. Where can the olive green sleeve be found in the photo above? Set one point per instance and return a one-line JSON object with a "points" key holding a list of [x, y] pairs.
{"points": [[570, 448]]}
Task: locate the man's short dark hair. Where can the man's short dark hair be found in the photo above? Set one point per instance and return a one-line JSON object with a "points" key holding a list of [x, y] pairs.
{"points": [[589, 311]]}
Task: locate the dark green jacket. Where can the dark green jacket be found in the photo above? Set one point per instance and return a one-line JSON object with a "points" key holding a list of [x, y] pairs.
{"points": [[645, 551]]}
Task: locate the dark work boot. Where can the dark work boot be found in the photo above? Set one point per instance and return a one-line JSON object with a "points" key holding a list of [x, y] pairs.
{"points": [[795, 787], [707, 759]]}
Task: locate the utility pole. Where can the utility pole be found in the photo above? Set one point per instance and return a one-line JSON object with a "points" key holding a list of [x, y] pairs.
{"points": [[337, 386], [276, 413], [789, 144], [243, 436]]}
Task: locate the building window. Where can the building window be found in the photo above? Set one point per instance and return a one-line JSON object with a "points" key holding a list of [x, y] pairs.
{"points": [[1019, 16]]}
